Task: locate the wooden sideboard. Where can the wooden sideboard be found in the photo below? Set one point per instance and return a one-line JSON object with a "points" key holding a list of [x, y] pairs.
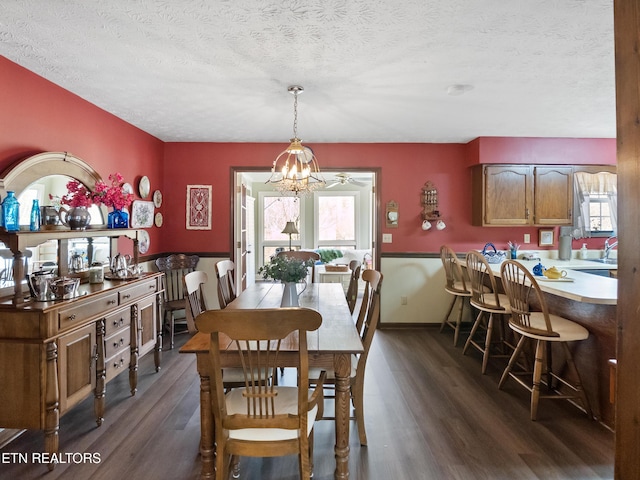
{"points": [[55, 354]]}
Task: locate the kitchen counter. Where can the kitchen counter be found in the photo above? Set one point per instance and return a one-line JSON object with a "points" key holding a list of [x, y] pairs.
{"points": [[590, 300], [585, 287]]}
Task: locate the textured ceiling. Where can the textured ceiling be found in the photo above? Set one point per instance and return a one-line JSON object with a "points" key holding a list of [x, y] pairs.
{"points": [[372, 70]]}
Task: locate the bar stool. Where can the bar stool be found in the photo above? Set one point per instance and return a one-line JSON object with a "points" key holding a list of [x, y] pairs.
{"points": [[541, 328], [457, 285], [486, 299]]}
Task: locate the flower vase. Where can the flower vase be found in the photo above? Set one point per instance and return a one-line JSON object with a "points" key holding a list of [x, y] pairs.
{"points": [[118, 219], [290, 295]]}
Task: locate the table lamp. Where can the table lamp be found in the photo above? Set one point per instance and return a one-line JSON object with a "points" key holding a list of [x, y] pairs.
{"points": [[290, 229]]}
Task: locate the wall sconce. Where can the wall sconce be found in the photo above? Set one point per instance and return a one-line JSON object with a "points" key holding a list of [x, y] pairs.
{"points": [[430, 211]]}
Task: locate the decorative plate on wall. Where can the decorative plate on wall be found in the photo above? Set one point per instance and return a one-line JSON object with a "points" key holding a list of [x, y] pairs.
{"points": [[159, 219], [127, 188], [144, 187], [157, 198], [143, 242], [141, 214]]}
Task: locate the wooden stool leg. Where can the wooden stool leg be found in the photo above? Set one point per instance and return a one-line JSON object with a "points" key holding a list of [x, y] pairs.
{"points": [[456, 333], [537, 376], [487, 344], [512, 361], [446, 317], [476, 324]]}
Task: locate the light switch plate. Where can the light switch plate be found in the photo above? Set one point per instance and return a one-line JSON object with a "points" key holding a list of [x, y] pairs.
{"points": [[527, 238], [387, 238]]}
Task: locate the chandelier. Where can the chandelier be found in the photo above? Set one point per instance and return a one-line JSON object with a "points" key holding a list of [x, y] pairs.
{"points": [[295, 171]]}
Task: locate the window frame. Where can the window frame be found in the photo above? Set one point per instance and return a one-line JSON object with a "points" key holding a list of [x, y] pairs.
{"points": [[356, 226], [262, 243]]}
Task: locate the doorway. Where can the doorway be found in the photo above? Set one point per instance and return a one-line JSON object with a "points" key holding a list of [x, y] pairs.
{"points": [[249, 185]]}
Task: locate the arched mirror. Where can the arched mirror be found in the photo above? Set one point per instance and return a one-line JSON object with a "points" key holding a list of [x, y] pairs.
{"points": [[38, 177]]}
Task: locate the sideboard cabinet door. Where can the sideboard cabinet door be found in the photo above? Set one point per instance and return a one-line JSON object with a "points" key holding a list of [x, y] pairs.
{"points": [[76, 365]]}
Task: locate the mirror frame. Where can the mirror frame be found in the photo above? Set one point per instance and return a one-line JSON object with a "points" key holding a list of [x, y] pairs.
{"points": [[31, 169]]}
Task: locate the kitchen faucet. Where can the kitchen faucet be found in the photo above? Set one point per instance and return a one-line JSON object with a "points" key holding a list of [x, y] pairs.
{"points": [[608, 247]]}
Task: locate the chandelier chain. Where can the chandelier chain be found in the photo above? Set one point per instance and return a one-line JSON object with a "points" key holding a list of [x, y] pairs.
{"points": [[295, 114]]}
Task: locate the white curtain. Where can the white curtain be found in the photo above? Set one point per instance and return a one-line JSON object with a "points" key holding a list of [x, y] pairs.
{"points": [[594, 183]]}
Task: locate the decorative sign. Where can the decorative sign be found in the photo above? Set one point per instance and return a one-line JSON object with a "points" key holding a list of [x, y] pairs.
{"points": [[198, 207]]}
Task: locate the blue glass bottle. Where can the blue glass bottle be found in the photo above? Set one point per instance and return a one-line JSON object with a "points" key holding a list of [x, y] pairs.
{"points": [[34, 224], [11, 212], [1, 215]]}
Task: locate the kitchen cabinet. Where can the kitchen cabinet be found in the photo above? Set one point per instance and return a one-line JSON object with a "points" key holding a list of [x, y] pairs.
{"points": [[522, 195]]}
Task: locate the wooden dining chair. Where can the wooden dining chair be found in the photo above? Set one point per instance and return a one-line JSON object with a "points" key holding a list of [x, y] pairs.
{"points": [[174, 267], [491, 305], [366, 325], [226, 285], [261, 419], [543, 329], [303, 255], [457, 284], [196, 304], [352, 290]]}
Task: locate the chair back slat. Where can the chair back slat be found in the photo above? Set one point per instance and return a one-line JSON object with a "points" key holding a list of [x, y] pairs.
{"points": [[519, 284], [480, 277], [226, 285], [175, 267], [352, 290], [456, 279], [193, 282], [373, 280]]}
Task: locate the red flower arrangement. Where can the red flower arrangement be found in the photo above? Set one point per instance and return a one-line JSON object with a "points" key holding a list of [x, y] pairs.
{"points": [[77, 195], [112, 195]]}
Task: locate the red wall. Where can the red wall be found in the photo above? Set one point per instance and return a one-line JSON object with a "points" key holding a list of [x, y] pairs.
{"points": [[39, 116]]}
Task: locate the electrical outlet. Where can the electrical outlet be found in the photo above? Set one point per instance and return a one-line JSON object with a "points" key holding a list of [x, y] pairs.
{"points": [[527, 238], [403, 300], [387, 238]]}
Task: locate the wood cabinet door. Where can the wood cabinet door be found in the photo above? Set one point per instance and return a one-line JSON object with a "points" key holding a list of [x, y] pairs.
{"points": [[553, 194], [147, 324], [76, 366], [507, 192]]}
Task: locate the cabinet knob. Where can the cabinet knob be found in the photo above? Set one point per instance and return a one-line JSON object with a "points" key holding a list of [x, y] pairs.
{"points": [[126, 296], [72, 316], [111, 302]]}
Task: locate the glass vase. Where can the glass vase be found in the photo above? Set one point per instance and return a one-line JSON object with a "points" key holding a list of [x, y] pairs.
{"points": [[118, 219]]}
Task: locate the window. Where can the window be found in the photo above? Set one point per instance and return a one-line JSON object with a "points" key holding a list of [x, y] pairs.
{"points": [[276, 212], [600, 213], [595, 204], [336, 219]]}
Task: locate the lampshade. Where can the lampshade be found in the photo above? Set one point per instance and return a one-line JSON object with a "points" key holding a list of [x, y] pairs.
{"points": [[295, 171], [290, 228]]}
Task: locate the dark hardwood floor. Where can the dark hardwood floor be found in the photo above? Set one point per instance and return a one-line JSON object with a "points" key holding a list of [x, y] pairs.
{"points": [[430, 415]]}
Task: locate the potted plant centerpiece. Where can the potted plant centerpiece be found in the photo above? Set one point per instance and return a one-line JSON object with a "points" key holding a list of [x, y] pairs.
{"points": [[289, 271]]}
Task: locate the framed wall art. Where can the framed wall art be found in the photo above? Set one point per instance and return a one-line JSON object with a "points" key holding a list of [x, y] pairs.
{"points": [[198, 207], [546, 238]]}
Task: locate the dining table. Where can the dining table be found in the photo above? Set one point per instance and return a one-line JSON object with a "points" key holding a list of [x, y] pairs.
{"points": [[331, 347]]}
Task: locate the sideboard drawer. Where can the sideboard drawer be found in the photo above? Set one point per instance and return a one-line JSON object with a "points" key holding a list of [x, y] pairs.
{"points": [[86, 310], [119, 341], [117, 320], [117, 364], [137, 291]]}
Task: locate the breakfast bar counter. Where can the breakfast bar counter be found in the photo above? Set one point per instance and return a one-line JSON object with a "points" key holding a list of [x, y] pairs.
{"points": [[589, 300]]}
